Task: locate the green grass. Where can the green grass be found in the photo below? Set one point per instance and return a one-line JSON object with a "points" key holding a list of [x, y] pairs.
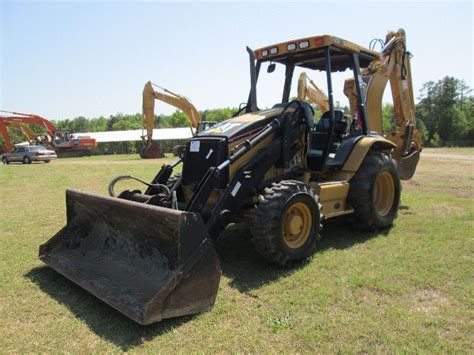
{"points": [[407, 289]]}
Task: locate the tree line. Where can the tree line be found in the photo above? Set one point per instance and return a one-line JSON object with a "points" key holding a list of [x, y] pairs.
{"points": [[444, 112]]}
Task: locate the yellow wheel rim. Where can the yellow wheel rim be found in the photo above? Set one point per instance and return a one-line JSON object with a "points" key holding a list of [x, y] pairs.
{"points": [[296, 225], [384, 193]]}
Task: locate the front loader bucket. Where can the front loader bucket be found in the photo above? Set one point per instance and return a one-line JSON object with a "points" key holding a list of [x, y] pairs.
{"points": [[148, 262]]}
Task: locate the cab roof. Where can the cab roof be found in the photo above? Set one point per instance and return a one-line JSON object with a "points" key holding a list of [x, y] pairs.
{"points": [[309, 53]]}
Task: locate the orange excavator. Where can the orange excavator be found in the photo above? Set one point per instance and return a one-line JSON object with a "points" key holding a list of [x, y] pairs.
{"points": [[65, 143]]}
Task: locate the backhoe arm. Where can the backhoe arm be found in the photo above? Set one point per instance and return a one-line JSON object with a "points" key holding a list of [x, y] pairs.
{"points": [[392, 66]]}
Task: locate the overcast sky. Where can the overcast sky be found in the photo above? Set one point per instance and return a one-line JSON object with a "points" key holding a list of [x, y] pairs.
{"points": [[62, 60]]}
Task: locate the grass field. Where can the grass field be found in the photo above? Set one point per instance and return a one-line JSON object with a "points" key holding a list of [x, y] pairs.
{"points": [[408, 289]]}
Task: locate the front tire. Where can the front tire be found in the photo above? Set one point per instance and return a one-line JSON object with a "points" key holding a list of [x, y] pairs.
{"points": [[287, 222], [375, 192], [5, 161], [26, 160]]}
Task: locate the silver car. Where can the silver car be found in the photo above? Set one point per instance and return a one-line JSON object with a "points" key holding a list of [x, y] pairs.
{"points": [[29, 153]]}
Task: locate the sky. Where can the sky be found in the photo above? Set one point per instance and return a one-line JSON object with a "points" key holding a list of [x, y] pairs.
{"points": [[67, 59]]}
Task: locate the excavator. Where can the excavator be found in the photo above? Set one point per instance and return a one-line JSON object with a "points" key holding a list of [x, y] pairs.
{"points": [[282, 170], [151, 148], [63, 142]]}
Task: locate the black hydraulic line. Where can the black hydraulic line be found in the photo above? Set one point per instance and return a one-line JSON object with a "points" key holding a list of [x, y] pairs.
{"points": [[129, 177]]}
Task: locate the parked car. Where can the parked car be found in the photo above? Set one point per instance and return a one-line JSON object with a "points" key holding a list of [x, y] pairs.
{"points": [[29, 153]]}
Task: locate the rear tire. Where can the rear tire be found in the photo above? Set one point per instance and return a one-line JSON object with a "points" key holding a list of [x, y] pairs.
{"points": [[5, 161], [287, 222], [26, 160], [47, 161], [374, 192]]}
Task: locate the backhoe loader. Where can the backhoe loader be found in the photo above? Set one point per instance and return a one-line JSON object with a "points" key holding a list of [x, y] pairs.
{"points": [[151, 148], [283, 171]]}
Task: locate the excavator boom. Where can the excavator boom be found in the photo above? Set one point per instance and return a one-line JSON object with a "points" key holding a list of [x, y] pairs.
{"points": [[151, 149], [313, 92], [30, 136]]}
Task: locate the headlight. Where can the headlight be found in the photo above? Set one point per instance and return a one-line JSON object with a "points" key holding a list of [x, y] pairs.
{"points": [[304, 44]]}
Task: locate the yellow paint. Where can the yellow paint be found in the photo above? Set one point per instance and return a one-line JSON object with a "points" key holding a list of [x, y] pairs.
{"points": [[361, 149], [333, 197]]}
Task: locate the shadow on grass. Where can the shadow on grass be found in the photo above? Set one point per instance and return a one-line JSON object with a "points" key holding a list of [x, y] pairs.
{"points": [[246, 268], [102, 319], [239, 262]]}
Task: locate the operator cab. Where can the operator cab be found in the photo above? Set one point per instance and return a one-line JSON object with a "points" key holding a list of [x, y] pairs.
{"points": [[332, 134], [62, 139]]}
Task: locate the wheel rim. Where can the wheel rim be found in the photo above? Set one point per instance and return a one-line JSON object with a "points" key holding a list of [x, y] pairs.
{"points": [[384, 193], [296, 226]]}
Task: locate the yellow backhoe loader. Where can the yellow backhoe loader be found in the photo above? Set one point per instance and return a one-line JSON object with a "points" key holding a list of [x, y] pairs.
{"points": [[151, 148], [282, 170]]}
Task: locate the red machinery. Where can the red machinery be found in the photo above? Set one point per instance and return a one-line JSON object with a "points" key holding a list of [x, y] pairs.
{"points": [[65, 143]]}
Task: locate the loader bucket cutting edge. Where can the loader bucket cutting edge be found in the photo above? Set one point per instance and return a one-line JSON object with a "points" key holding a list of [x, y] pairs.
{"points": [[148, 262]]}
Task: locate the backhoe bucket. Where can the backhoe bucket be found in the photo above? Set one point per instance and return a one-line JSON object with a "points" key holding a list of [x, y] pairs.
{"points": [[406, 166], [148, 262]]}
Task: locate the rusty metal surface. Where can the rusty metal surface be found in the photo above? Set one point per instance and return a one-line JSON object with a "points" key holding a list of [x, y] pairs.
{"points": [[148, 262], [407, 165]]}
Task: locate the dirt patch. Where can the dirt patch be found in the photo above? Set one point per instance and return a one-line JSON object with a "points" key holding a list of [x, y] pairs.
{"points": [[449, 156], [429, 301], [463, 193]]}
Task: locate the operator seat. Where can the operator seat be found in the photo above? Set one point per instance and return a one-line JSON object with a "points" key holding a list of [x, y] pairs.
{"points": [[320, 133], [342, 143], [319, 138]]}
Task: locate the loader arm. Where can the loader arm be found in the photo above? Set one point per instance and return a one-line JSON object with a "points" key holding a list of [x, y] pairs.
{"points": [[287, 128], [313, 93]]}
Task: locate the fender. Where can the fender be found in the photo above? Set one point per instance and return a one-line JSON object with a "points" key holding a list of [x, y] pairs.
{"points": [[361, 149]]}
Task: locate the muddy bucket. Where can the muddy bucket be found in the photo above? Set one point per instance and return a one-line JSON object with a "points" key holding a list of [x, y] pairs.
{"points": [[148, 262]]}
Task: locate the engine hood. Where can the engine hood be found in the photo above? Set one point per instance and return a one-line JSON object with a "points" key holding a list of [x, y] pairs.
{"points": [[239, 126]]}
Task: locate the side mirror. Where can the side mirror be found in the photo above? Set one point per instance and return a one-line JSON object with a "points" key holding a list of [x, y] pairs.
{"points": [[271, 68]]}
